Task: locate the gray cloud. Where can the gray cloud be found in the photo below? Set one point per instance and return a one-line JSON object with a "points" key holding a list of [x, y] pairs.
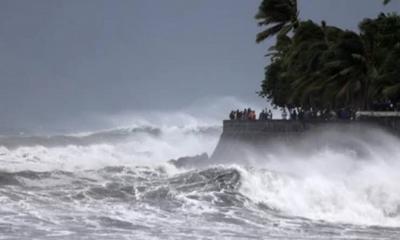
{"points": [[62, 60]]}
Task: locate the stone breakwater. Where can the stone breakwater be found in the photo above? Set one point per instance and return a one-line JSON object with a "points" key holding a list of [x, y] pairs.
{"points": [[241, 137]]}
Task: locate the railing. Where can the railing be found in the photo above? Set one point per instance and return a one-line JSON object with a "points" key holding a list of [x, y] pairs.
{"points": [[377, 114]]}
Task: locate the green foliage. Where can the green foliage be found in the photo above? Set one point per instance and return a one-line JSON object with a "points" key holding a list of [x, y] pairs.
{"points": [[279, 16], [325, 67]]}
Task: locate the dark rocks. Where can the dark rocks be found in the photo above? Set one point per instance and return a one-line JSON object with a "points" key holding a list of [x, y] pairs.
{"points": [[189, 161]]}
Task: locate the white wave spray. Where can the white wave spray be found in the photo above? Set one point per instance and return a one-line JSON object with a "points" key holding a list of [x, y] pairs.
{"points": [[122, 176], [356, 182]]}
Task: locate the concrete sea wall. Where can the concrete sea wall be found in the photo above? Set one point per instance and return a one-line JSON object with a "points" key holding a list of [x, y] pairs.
{"points": [[239, 136]]}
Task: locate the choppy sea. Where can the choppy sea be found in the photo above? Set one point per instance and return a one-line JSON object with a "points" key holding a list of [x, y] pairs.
{"points": [[120, 184]]}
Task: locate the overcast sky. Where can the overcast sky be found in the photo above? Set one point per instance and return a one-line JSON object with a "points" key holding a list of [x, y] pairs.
{"points": [[62, 60]]}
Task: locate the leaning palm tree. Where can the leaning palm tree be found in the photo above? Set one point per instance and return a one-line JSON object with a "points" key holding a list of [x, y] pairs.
{"points": [[389, 79], [280, 16], [381, 37]]}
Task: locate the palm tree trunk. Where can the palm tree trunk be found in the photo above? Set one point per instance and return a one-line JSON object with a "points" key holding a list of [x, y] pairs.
{"points": [[295, 20]]}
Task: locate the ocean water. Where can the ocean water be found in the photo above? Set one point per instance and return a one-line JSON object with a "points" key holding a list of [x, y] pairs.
{"points": [[119, 184]]}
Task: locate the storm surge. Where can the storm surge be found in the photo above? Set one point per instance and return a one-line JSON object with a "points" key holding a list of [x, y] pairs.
{"points": [[338, 174], [120, 184]]}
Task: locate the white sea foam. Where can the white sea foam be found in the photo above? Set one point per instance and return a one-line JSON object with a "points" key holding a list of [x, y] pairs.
{"points": [[350, 178], [137, 149], [332, 183]]}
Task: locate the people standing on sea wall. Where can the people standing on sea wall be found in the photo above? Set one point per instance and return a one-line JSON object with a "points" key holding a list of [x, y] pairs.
{"points": [[295, 114], [250, 114], [284, 114], [232, 115], [316, 114], [246, 114]]}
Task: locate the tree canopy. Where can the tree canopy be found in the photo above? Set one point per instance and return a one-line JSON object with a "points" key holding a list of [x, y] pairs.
{"points": [[315, 65]]}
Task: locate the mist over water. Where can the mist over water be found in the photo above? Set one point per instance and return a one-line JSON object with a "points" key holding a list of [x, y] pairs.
{"points": [[349, 177], [118, 183]]}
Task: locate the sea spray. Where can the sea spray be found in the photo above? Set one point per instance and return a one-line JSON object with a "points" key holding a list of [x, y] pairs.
{"points": [[355, 183], [128, 147], [120, 183]]}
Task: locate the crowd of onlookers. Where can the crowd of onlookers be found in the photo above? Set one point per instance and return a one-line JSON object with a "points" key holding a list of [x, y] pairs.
{"points": [[265, 115], [294, 114], [250, 114], [312, 114], [246, 114]]}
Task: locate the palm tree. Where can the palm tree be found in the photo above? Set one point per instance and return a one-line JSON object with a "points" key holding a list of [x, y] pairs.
{"points": [[346, 71], [303, 63], [294, 79], [381, 38], [325, 67], [280, 16], [389, 80]]}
